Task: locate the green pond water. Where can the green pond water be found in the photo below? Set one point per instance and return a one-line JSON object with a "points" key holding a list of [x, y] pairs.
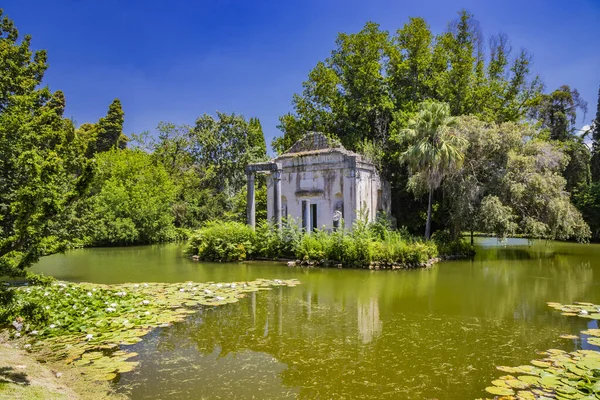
{"points": [[422, 334]]}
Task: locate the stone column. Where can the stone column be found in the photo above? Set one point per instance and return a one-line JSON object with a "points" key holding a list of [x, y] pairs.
{"points": [[277, 198], [250, 205]]}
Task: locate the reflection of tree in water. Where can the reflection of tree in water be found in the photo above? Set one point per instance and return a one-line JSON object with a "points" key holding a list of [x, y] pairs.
{"points": [[522, 289], [434, 333], [337, 347], [321, 342]]}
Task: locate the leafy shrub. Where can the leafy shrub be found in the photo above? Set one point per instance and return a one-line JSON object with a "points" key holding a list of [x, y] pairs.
{"points": [[341, 248], [233, 241], [268, 242], [396, 249], [130, 202], [34, 312], [40, 279], [222, 241], [181, 234], [291, 234], [313, 246], [382, 226], [454, 247], [11, 308]]}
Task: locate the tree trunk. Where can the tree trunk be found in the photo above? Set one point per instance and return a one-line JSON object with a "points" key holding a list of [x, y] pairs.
{"points": [[428, 224]]}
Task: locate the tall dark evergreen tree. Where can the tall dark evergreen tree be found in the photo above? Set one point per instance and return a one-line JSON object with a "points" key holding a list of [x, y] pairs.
{"points": [[557, 112], [256, 137], [110, 130], [595, 167]]}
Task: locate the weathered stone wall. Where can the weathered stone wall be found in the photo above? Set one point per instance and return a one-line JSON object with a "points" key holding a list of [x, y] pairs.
{"points": [[334, 180]]}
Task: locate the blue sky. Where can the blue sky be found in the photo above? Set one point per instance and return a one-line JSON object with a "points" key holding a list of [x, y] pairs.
{"points": [[175, 60]]}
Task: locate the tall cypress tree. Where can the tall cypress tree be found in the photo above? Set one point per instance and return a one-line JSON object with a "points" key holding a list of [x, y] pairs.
{"points": [[595, 167], [256, 137], [58, 102], [110, 129]]}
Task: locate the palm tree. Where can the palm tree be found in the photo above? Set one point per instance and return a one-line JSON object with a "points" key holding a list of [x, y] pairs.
{"points": [[434, 148]]}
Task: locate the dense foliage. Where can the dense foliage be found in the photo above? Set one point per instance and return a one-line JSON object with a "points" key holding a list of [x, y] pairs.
{"points": [[41, 168], [133, 196], [510, 183], [440, 114], [373, 82], [512, 165], [434, 149], [364, 245], [207, 165]]}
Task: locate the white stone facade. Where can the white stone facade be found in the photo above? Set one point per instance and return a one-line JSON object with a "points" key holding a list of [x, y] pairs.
{"points": [[318, 181]]}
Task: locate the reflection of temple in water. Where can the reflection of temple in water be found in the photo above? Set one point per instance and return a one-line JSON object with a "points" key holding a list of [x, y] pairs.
{"points": [[369, 324]]}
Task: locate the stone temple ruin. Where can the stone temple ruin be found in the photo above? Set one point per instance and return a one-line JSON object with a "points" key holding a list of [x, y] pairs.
{"points": [[319, 183]]}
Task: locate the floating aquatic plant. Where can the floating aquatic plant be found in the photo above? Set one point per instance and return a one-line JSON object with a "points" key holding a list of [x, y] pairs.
{"points": [[89, 322], [559, 375]]}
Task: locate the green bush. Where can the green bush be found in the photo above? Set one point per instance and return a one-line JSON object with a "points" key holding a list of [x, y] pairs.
{"points": [[271, 243], [130, 201], [40, 279], [341, 248], [396, 249], [361, 247], [291, 235], [452, 247], [182, 234], [222, 241], [11, 309], [313, 247], [364, 245]]}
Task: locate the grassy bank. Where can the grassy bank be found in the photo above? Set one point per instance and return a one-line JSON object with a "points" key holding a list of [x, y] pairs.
{"points": [[366, 246]]}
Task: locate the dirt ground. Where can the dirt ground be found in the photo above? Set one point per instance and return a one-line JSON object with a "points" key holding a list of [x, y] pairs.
{"points": [[23, 377]]}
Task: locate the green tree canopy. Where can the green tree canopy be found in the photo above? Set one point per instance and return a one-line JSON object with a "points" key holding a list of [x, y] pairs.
{"points": [[130, 202], [434, 149], [207, 164], [223, 147], [373, 81], [511, 182], [257, 137], [557, 112], [23, 69], [41, 171]]}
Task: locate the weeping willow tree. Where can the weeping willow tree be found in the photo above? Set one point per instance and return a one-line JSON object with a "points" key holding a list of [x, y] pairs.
{"points": [[434, 149]]}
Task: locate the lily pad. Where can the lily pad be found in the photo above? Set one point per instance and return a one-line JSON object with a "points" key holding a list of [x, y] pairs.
{"points": [[560, 374], [90, 322], [499, 391], [568, 336]]}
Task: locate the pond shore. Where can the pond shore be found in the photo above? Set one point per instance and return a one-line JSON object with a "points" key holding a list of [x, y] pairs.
{"points": [[24, 377], [79, 328]]}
